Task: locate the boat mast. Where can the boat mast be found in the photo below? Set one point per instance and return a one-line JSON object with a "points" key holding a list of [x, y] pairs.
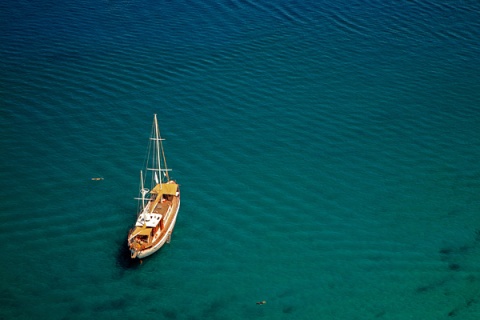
{"points": [[165, 162], [142, 189], [157, 141], [160, 147]]}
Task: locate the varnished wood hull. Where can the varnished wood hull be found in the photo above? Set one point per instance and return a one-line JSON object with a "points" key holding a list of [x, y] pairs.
{"points": [[164, 236]]}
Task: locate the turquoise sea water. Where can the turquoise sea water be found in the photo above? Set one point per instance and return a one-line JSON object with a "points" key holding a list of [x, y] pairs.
{"points": [[328, 154]]}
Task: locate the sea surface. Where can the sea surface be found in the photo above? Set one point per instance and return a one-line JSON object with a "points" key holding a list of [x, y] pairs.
{"points": [[328, 155]]}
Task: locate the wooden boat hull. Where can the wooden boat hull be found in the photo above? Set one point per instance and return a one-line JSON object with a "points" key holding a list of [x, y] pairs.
{"points": [[140, 254]]}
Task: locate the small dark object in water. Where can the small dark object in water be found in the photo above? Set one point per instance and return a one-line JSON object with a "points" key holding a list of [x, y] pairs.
{"points": [[262, 302], [446, 251], [470, 302], [454, 266], [424, 288]]}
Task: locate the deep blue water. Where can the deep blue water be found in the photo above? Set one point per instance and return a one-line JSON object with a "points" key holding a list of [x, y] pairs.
{"points": [[328, 154]]}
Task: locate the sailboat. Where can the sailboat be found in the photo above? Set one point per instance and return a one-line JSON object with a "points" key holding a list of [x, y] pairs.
{"points": [[158, 206]]}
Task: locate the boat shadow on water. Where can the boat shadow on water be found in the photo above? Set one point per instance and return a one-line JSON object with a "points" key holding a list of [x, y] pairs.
{"points": [[123, 258]]}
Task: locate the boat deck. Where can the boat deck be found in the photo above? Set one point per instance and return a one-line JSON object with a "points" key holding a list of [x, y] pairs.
{"points": [[162, 207], [169, 210]]}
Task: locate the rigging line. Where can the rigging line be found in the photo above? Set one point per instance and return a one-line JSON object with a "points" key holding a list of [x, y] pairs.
{"points": [[147, 155], [158, 142], [163, 154], [145, 165]]}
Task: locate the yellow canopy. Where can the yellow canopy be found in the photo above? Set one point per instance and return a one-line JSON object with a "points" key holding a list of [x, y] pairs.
{"points": [[165, 188], [141, 231]]}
